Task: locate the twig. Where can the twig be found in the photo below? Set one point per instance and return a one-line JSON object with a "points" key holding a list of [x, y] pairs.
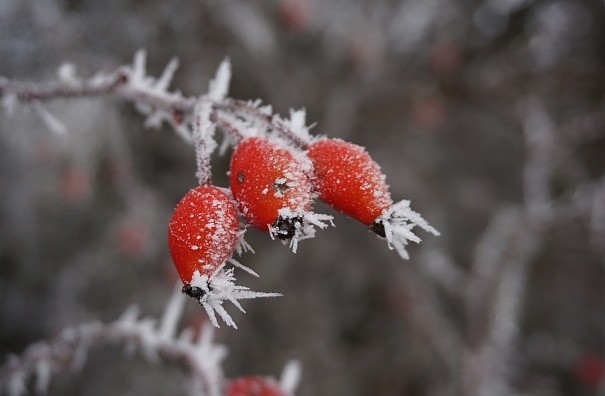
{"points": [[70, 348]]}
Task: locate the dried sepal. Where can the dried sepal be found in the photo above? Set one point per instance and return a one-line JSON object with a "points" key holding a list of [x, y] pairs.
{"points": [[212, 291], [396, 224]]}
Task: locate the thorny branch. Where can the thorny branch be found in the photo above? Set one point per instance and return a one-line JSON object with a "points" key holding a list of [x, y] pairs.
{"points": [[70, 348], [126, 83]]}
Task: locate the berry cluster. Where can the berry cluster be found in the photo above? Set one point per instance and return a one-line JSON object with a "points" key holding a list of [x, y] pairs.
{"points": [[277, 170]]}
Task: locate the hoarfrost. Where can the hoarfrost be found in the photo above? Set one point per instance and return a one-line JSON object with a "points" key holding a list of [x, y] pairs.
{"points": [[242, 245], [219, 86], [219, 287], [304, 223], [398, 222], [172, 313], [50, 121], [67, 74], [203, 132], [290, 377]]}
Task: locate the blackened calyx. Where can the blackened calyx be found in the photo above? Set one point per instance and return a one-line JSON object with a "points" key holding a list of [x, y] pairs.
{"points": [[193, 291], [286, 226]]}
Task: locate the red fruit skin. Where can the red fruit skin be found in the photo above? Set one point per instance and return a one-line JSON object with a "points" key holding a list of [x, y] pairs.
{"points": [[348, 179], [264, 178], [202, 232], [253, 386]]}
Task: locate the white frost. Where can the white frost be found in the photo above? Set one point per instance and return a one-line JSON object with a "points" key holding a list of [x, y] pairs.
{"points": [[219, 86], [296, 124], [219, 287], [290, 377], [398, 221], [171, 314], [304, 229], [67, 74], [203, 134], [50, 121]]}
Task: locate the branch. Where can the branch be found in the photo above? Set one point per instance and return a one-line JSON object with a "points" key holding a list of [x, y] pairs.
{"points": [[69, 350], [152, 98]]}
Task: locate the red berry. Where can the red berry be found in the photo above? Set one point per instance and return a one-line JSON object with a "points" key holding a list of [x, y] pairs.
{"points": [[590, 370], [349, 180], [253, 386], [266, 178], [203, 232]]}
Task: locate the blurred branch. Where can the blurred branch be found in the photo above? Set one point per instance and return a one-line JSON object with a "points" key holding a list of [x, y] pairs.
{"points": [[70, 348]]}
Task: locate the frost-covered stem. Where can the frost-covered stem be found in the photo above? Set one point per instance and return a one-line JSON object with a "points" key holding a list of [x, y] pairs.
{"points": [[490, 256], [241, 107], [488, 369], [540, 150], [119, 84], [64, 351], [428, 312], [30, 92], [203, 137], [227, 127], [115, 84], [70, 348]]}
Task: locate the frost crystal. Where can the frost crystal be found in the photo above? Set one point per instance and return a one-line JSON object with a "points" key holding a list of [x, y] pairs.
{"points": [[219, 86], [203, 133], [296, 124], [290, 377], [242, 245], [67, 74], [398, 222], [217, 288], [300, 225], [50, 121]]}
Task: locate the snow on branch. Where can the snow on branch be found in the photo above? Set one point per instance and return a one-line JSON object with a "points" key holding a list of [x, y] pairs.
{"points": [[153, 99], [203, 133], [69, 349]]}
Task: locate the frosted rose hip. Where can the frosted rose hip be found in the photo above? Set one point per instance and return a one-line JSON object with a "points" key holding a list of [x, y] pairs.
{"points": [[266, 178], [203, 232], [349, 180]]}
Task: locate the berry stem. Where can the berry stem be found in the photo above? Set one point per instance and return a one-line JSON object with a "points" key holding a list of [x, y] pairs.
{"points": [[126, 83], [227, 127], [243, 108], [203, 137]]}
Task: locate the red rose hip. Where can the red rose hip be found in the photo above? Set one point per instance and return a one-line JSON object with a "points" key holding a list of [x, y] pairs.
{"points": [[253, 386], [203, 232], [349, 180]]}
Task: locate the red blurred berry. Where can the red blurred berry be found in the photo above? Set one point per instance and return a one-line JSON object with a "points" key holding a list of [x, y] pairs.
{"points": [[132, 239], [253, 386], [294, 14], [203, 232], [428, 112], [74, 185], [590, 370], [349, 180], [266, 178]]}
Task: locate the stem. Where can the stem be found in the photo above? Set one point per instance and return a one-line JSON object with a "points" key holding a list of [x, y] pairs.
{"points": [[203, 135], [227, 127], [115, 84], [66, 349], [28, 92], [241, 107], [118, 84]]}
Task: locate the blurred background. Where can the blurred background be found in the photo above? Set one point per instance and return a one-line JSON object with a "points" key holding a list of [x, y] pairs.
{"points": [[489, 115]]}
